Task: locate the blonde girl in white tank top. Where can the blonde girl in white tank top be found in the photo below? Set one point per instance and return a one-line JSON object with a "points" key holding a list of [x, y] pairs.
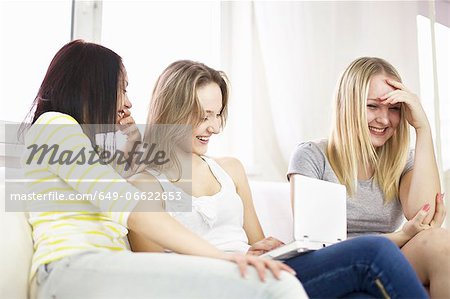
{"points": [[220, 200]]}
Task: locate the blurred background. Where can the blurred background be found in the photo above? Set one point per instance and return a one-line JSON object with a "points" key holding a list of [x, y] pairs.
{"points": [[283, 60]]}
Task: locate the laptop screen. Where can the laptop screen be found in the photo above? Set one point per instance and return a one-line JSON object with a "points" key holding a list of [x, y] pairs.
{"points": [[320, 210]]}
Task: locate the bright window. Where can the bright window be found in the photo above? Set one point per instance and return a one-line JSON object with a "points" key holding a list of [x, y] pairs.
{"points": [[31, 32], [151, 35], [442, 36]]}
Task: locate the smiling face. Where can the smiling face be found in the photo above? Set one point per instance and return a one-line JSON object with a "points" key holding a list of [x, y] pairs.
{"points": [[123, 103], [382, 119], [210, 98]]}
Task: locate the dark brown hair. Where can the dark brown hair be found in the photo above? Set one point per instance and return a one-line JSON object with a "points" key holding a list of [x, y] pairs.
{"points": [[82, 81]]}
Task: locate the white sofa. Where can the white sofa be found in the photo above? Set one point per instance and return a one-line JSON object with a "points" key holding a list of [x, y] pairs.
{"points": [[16, 250], [271, 203]]}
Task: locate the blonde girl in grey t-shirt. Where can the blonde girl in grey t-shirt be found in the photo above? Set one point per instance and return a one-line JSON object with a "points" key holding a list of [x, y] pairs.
{"points": [[368, 152]]}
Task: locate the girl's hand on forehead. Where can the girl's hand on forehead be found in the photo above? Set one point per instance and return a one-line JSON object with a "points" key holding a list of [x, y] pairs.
{"points": [[414, 113]]}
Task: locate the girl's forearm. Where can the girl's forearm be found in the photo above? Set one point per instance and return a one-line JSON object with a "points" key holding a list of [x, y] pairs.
{"points": [[425, 181], [162, 229], [399, 238]]}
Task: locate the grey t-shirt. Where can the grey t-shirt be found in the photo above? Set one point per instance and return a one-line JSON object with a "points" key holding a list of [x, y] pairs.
{"points": [[367, 213]]}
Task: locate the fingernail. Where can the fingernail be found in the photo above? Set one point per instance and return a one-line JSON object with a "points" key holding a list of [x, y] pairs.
{"points": [[426, 207]]}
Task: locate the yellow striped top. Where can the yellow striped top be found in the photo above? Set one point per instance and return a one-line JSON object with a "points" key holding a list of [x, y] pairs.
{"points": [[73, 226]]}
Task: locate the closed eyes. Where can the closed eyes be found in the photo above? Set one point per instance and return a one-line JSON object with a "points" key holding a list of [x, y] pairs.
{"points": [[372, 106], [208, 117]]}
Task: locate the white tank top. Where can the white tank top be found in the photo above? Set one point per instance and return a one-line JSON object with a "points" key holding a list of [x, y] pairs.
{"points": [[218, 218]]}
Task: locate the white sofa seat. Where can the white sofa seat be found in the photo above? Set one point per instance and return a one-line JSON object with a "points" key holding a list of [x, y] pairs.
{"points": [[16, 250]]}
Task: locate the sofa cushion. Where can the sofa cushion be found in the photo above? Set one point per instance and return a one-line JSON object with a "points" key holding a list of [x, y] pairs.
{"points": [[16, 247], [16, 251]]}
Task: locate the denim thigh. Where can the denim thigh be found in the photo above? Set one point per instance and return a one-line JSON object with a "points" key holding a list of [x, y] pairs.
{"points": [[370, 264]]}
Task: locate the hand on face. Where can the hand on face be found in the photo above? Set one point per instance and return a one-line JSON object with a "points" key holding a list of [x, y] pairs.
{"points": [[382, 119], [127, 126], [414, 113]]}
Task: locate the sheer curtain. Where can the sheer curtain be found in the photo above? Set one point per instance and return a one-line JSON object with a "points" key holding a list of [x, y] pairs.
{"points": [[433, 26], [298, 51], [300, 48]]}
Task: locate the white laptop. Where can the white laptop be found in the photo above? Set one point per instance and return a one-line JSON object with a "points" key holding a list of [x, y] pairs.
{"points": [[320, 216]]}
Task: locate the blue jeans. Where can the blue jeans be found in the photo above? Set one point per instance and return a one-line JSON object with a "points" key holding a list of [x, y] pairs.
{"points": [[370, 264]]}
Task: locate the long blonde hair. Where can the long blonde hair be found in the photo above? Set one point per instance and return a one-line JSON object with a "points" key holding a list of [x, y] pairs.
{"points": [[174, 98], [175, 102], [349, 143]]}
